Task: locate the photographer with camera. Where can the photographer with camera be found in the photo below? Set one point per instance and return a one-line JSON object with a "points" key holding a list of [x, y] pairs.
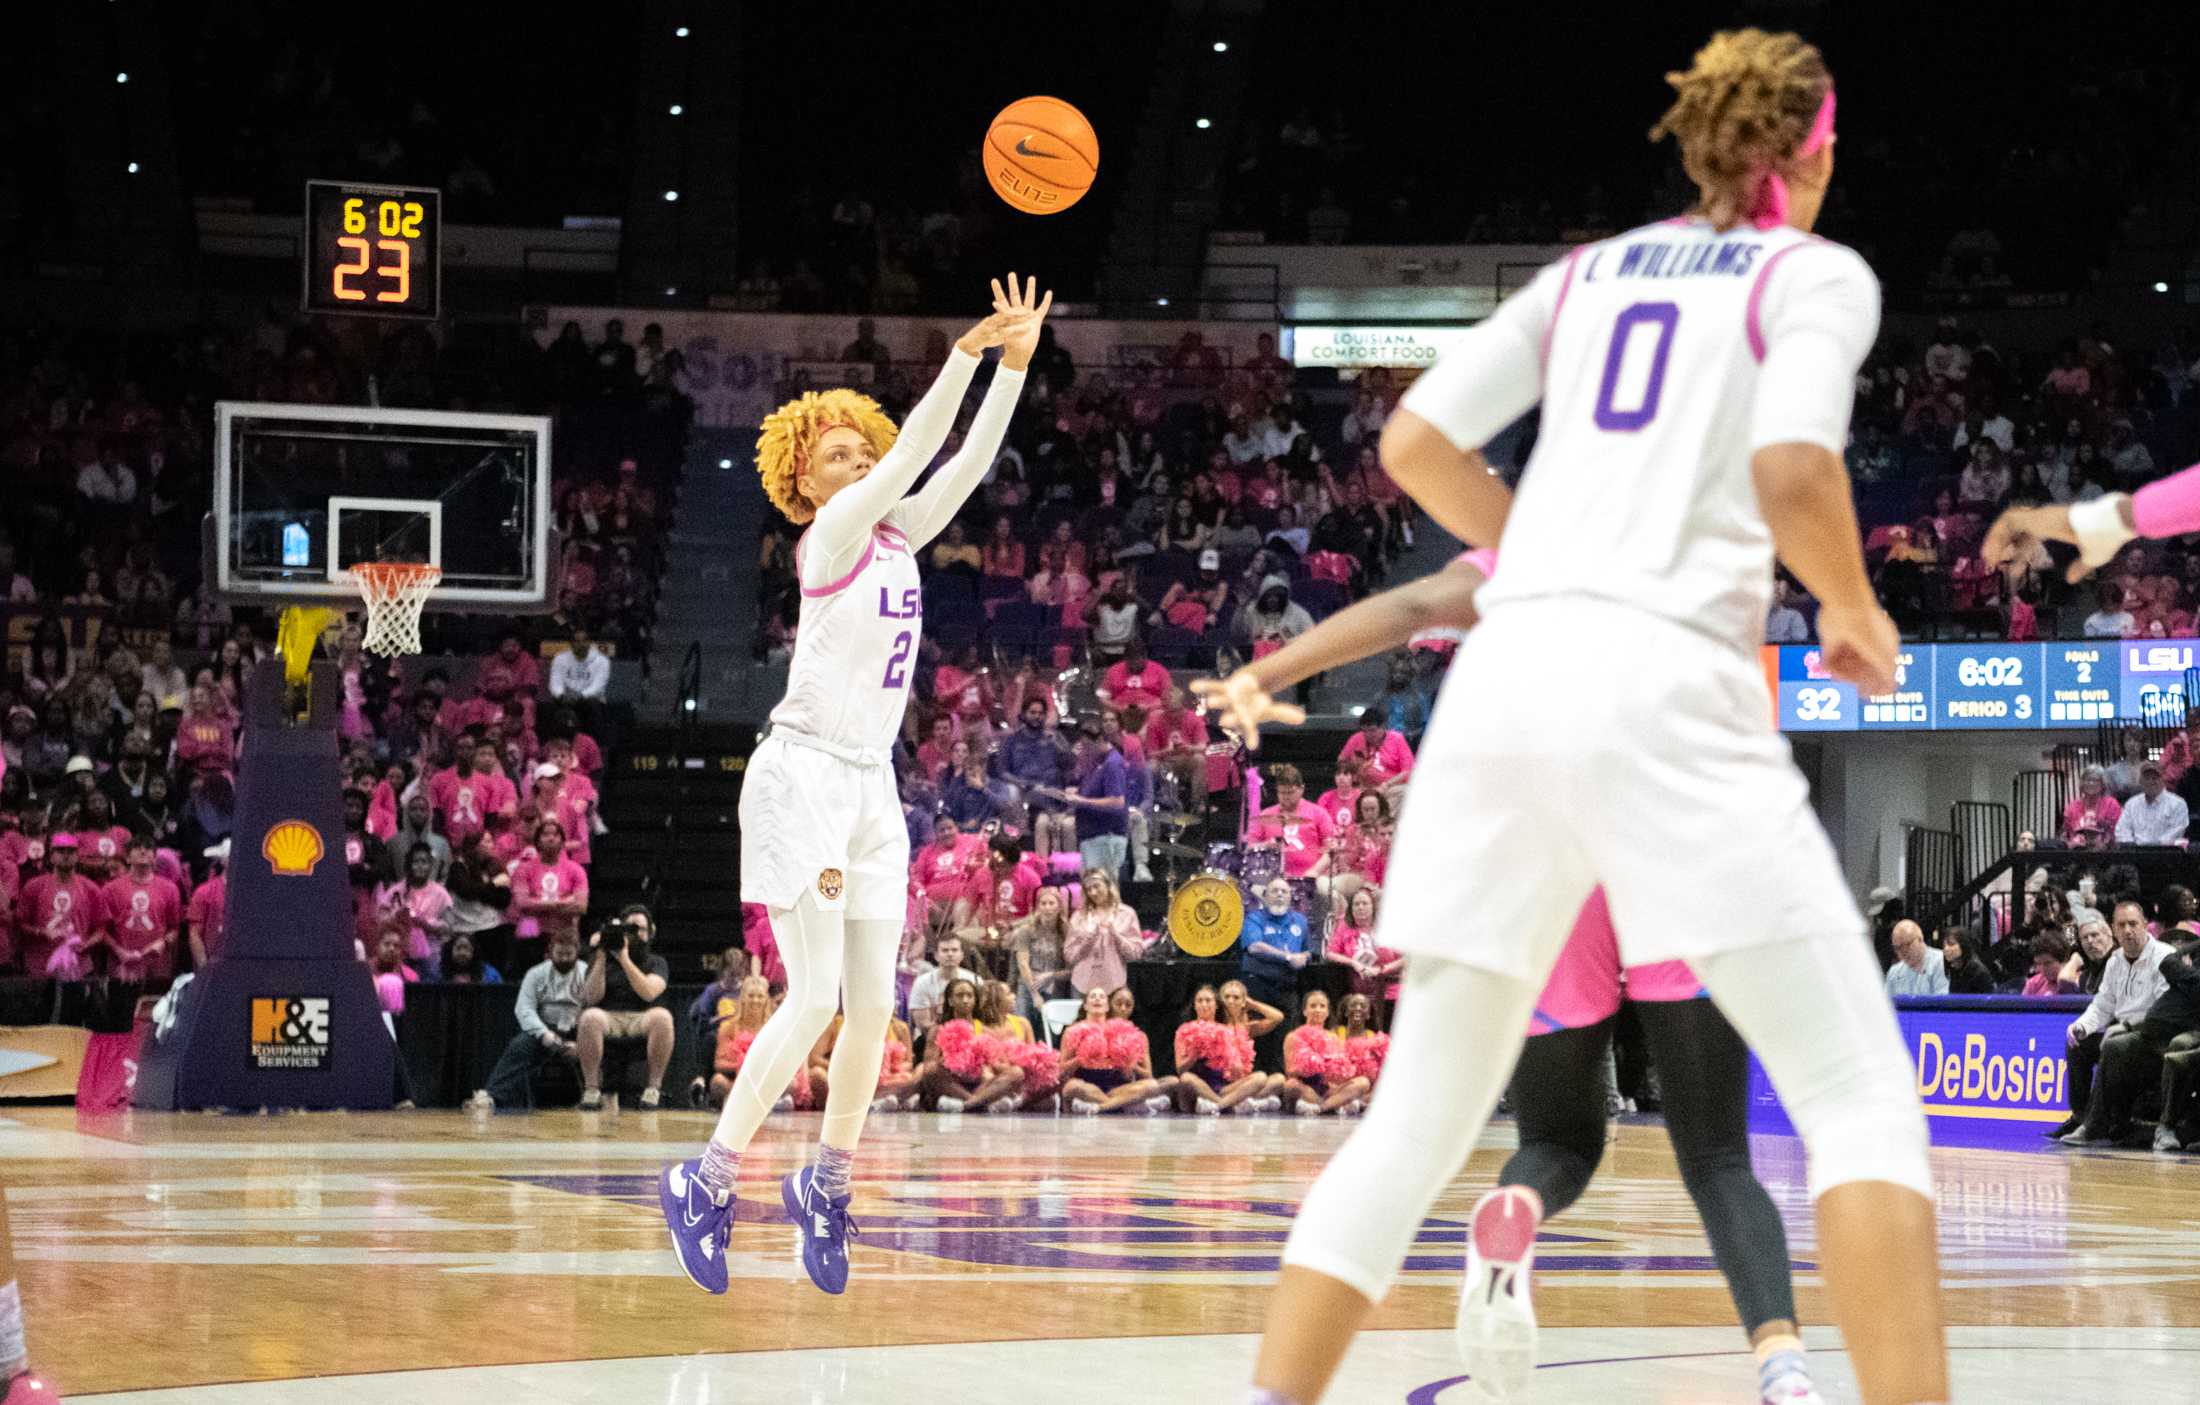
{"points": [[625, 982]]}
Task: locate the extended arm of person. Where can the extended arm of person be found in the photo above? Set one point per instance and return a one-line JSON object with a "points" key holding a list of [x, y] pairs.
{"points": [[1381, 622], [2168, 507], [1823, 314], [923, 516], [647, 984]]}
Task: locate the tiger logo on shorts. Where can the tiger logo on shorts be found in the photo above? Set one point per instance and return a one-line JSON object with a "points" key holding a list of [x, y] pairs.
{"points": [[828, 884]]}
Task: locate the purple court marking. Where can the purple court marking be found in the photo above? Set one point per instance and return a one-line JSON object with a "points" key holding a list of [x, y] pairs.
{"points": [[1110, 1233]]}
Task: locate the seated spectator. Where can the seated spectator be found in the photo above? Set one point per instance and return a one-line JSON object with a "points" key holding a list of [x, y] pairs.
{"points": [[2049, 953], [1060, 586], [481, 899], [928, 995], [1363, 846], [391, 971], [968, 795], [1194, 605], [2123, 772], [2130, 984], [2131, 1062], [1103, 935], [1404, 701], [955, 554], [549, 1010], [1385, 757], [898, 1075], [2112, 620], [1302, 830], [1785, 624], [1318, 1076], [580, 678], [1272, 618], [1918, 969], [1375, 969], [943, 868], [205, 740], [418, 827], [1965, 976], [1135, 680], [1175, 742], [1272, 943], [2154, 816], [1004, 554], [2091, 816], [731, 1028], [1112, 616], [625, 982], [1287, 532], [1235, 533], [462, 963], [1337, 802], [474, 788], [936, 752]]}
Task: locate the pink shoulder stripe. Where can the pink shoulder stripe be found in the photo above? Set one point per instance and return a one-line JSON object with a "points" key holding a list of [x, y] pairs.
{"points": [[841, 584], [1751, 319], [892, 533], [1565, 286]]}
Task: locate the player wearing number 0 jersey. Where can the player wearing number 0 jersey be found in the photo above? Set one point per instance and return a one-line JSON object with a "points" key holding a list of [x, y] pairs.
{"points": [[1695, 380], [824, 845]]}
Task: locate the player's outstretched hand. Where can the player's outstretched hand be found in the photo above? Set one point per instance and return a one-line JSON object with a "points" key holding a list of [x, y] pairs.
{"points": [[2018, 530], [1241, 705], [1026, 312], [1858, 645]]}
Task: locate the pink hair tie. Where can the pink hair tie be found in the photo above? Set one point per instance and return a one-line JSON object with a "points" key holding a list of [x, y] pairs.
{"points": [[1770, 208]]}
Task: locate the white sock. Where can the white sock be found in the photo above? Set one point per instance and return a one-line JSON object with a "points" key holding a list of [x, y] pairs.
{"points": [[13, 1355]]}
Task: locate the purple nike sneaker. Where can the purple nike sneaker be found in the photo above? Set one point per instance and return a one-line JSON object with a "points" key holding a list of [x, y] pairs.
{"points": [[826, 1229], [699, 1224]]}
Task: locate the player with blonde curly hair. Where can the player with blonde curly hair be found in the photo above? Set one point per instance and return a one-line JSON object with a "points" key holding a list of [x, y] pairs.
{"points": [[1695, 378], [824, 846]]}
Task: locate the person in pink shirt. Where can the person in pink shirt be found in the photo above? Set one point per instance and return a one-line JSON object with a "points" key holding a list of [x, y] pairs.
{"points": [[522, 667], [1135, 680], [944, 867], [99, 840], [549, 891], [761, 945], [58, 916], [1337, 801], [1302, 829], [2049, 952], [1385, 759], [2089, 820], [1374, 968], [209, 910], [144, 912], [470, 791], [391, 973], [205, 741], [416, 906], [1176, 743], [569, 808]]}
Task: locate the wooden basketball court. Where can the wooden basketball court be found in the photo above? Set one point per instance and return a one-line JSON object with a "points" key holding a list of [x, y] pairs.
{"points": [[310, 1258]]}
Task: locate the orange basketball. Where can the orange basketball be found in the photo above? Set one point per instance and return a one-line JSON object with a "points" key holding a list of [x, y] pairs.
{"points": [[1041, 155]]}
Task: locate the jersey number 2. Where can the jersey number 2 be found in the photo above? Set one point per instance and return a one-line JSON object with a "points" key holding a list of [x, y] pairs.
{"points": [[1664, 316], [897, 667]]}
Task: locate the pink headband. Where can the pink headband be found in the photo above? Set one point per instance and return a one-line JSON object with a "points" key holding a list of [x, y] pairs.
{"points": [[1770, 210]]}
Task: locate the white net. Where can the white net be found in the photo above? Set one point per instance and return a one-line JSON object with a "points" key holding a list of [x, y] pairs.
{"points": [[395, 592]]}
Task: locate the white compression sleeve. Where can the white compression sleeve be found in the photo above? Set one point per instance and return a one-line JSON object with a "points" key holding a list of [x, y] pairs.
{"points": [[1440, 1081], [867, 1011], [922, 516], [810, 943]]}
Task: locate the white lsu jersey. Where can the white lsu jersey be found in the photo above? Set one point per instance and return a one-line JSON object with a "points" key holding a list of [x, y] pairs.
{"points": [[1662, 358], [855, 647]]}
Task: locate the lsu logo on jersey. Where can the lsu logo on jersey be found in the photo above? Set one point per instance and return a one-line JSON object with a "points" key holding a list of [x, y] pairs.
{"points": [[829, 884]]}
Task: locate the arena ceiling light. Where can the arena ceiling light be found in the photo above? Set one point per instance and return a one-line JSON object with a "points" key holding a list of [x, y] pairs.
{"points": [[676, 109], [1203, 124], [1221, 48], [672, 195]]}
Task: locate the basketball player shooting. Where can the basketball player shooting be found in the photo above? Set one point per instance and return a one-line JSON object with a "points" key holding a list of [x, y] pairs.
{"points": [[1695, 379], [825, 848]]}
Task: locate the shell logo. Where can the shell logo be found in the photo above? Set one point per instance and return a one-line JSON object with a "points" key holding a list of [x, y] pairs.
{"points": [[292, 848]]}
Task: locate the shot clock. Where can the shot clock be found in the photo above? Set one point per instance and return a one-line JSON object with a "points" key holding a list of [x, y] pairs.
{"points": [[374, 249]]}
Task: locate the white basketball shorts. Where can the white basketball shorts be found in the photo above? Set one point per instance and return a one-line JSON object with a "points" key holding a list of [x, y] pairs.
{"points": [[813, 823], [1579, 743]]}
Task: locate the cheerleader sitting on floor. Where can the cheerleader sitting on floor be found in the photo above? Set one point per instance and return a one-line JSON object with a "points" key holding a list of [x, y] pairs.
{"points": [[1363, 1043], [997, 1019], [897, 1073], [1105, 1065], [1241, 1011], [1318, 1075], [966, 1069], [1214, 1061]]}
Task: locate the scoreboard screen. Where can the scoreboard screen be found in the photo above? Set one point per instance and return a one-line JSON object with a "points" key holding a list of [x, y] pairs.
{"points": [[1992, 687], [374, 249]]}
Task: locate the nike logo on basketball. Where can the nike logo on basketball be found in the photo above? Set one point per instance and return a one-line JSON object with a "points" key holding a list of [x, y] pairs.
{"points": [[1023, 148]]}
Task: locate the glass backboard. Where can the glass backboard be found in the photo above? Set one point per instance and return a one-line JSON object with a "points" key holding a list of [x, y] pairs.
{"points": [[304, 492]]}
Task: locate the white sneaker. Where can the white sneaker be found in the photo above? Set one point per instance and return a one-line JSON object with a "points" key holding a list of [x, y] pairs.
{"points": [[592, 1100], [652, 1099], [999, 1105], [1085, 1109], [1208, 1107], [1792, 1389], [1307, 1109], [785, 1103], [2166, 1140], [889, 1103], [1269, 1104], [950, 1105], [481, 1101], [1495, 1329], [1353, 1108], [1157, 1104]]}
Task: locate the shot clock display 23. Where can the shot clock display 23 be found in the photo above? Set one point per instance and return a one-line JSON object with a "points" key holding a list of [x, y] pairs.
{"points": [[374, 249], [2003, 687]]}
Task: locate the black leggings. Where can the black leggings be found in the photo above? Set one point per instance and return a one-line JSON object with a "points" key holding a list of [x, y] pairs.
{"points": [[1703, 1065]]}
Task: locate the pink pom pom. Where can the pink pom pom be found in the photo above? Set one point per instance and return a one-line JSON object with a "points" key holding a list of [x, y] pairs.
{"points": [[895, 1062], [741, 1043], [1126, 1044], [1041, 1065], [960, 1053], [1368, 1052], [1240, 1061]]}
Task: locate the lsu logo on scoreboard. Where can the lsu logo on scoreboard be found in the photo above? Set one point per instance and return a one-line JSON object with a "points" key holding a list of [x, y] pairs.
{"points": [[290, 1031], [2157, 658]]}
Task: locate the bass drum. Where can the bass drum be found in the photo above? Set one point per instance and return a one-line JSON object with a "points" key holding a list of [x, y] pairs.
{"points": [[1206, 914]]}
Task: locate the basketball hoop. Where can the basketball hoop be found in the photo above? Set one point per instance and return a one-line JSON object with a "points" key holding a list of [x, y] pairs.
{"points": [[395, 591]]}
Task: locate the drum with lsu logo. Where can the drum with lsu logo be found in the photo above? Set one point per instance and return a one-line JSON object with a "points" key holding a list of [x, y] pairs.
{"points": [[1206, 914]]}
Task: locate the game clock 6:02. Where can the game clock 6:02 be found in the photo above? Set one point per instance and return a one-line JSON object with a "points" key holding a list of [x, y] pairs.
{"points": [[374, 249]]}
